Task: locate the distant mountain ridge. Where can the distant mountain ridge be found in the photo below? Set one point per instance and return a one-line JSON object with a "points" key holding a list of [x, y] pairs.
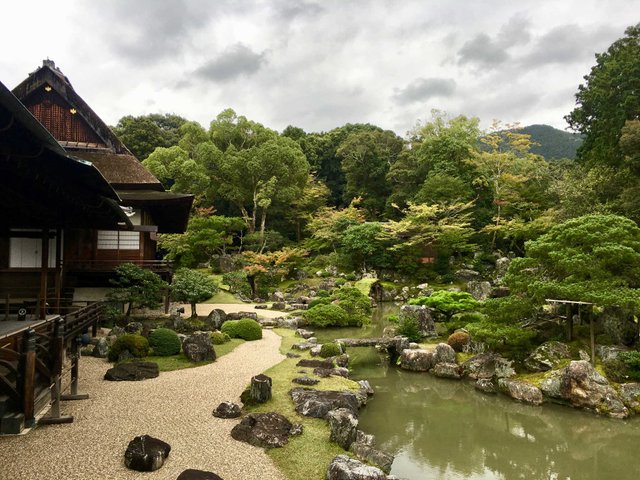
{"points": [[553, 143]]}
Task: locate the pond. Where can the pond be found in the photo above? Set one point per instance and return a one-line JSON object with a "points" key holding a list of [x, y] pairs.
{"points": [[444, 429]]}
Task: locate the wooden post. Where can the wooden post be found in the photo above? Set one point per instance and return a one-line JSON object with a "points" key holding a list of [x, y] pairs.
{"points": [[44, 273], [75, 373], [7, 307], [260, 388], [28, 373], [593, 338], [58, 279], [57, 353], [569, 310]]}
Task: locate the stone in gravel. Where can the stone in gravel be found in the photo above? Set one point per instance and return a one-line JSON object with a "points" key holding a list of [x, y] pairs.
{"points": [[239, 315], [101, 349], [261, 306], [312, 363], [146, 454], [198, 347], [227, 410], [344, 427], [328, 372], [343, 467], [260, 388], [317, 403], [192, 474], [132, 371], [305, 381], [215, 319], [265, 430], [278, 306]]}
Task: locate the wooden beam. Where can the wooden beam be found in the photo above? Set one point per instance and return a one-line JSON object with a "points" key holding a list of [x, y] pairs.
{"points": [[44, 273], [28, 373]]}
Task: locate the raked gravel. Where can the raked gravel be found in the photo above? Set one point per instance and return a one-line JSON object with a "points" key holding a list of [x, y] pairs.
{"points": [[176, 407]]}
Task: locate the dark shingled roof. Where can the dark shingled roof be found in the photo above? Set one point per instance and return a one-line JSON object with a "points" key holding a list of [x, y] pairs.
{"points": [[120, 170]]}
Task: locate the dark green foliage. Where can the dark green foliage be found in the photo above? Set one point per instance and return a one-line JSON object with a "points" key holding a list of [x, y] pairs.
{"points": [[218, 338], [551, 143], [237, 282], [192, 287], [322, 293], [164, 342], [607, 99], [624, 368], [137, 345], [409, 326], [363, 247], [142, 135], [136, 286], [341, 281], [327, 316], [458, 340], [319, 301], [355, 303], [330, 350], [351, 277], [461, 320], [448, 303], [594, 258], [245, 328]]}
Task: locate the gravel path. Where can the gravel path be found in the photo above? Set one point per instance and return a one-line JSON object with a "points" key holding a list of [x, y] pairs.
{"points": [[175, 407]]}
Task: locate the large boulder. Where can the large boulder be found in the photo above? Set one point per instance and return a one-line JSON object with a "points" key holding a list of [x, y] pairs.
{"points": [[417, 360], [215, 319], [344, 427], [444, 353], [146, 454], [265, 430], [101, 348], [133, 327], [479, 290], [610, 352], [580, 385], [502, 265], [343, 467], [424, 316], [301, 332], [620, 325], [466, 274], [227, 410], [199, 348], [547, 356], [447, 370], [630, 394], [239, 315], [331, 372], [318, 403], [192, 474], [521, 391], [132, 371], [488, 365], [368, 453]]}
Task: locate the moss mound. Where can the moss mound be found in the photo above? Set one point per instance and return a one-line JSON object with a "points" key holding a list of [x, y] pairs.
{"points": [[165, 342], [245, 328]]}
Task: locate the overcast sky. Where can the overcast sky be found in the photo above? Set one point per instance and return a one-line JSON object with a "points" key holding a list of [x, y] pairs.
{"points": [[317, 64]]}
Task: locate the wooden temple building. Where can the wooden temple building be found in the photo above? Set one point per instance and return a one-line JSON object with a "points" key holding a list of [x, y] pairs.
{"points": [[74, 203]]}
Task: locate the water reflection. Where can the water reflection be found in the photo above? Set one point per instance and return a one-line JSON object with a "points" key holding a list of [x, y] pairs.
{"points": [[443, 429]]}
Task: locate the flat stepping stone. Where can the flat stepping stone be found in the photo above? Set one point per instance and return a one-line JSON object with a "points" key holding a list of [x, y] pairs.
{"points": [[305, 381], [192, 474]]}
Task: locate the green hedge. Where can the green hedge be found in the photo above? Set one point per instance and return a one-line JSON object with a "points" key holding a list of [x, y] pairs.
{"points": [[165, 342], [137, 345], [326, 316], [218, 338], [245, 328]]}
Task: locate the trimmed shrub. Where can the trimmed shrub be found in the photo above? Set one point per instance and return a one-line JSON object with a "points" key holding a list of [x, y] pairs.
{"points": [[356, 304], [341, 281], [323, 293], [409, 326], [245, 328], [137, 345], [351, 277], [330, 350], [319, 301], [326, 316], [459, 340], [218, 338], [165, 342]]}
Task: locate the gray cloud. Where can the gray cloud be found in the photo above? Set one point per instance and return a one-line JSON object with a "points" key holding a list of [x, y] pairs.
{"points": [[566, 44], [235, 61], [289, 10], [515, 32], [482, 51], [424, 88]]}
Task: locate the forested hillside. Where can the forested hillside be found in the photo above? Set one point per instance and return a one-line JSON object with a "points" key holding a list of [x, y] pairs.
{"points": [[552, 143]]}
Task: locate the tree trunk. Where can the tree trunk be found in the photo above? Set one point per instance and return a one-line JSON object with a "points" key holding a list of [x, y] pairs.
{"points": [[252, 283], [193, 310], [260, 388]]}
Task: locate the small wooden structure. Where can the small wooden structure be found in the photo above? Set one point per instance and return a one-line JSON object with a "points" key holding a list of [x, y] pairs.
{"points": [[576, 305]]}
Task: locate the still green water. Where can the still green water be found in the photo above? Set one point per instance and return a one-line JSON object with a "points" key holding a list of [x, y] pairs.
{"points": [[445, 429]]}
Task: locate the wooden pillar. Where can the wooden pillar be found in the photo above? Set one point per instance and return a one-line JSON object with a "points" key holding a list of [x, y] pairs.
{"points": [[569, 310], [44, 273], [58, 279], [27, 374], [57, 354], [592, 336], [75, 373]]}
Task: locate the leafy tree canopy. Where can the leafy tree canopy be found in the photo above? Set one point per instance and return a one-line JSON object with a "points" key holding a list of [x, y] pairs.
{"points": [[192, 287], [608, 98], [143, 134], [594, 258], [136, 286]]}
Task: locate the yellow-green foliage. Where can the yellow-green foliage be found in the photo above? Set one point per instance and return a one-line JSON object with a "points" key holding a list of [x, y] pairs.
{"points": [[137, 345], [245, 328], [307, 456]]}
